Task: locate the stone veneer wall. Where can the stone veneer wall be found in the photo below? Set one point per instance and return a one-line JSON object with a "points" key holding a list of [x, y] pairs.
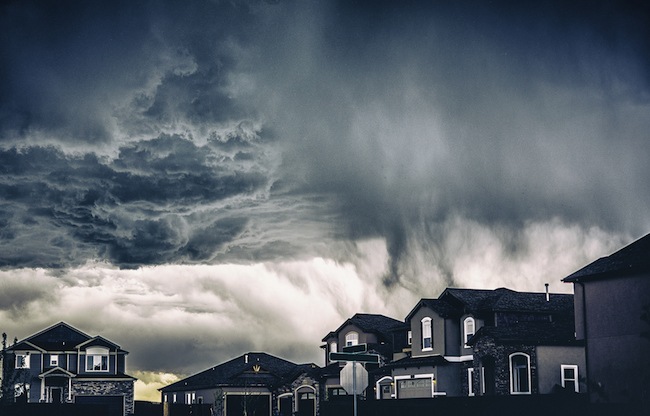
{"points": [[106, 388], [500, 353]]}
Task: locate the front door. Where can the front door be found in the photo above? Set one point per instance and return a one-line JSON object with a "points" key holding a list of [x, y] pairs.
{"points": [[56, 393]]}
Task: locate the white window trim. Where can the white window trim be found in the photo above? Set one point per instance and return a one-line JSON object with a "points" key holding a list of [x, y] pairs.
{"points": [[26, 360], [333, 346], [470, 381], [576, 381], [54, 360], [409, 337], [512, 384], [349, 340], [466, 334], [424, 320], [482, 380]]}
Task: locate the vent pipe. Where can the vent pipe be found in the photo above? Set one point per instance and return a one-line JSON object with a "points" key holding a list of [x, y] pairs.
{"points": [[548, 296]]}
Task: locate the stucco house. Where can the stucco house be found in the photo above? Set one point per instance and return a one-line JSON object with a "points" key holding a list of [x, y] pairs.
{"points": [[253, 383], [612, 313], [61, 364], [381, 334], [471, 342]]}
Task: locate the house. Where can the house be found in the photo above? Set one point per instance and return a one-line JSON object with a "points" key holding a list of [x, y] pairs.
{"points": [[381, 334], [612, 313], [254, 383], [471, 342], [61, 364]]}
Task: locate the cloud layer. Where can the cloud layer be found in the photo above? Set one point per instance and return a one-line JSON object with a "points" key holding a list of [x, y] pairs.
{"points": [[202, 171]]}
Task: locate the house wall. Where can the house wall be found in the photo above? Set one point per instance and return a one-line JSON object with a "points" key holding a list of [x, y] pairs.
{"points": [[437, 331], [449, 379], [452, 337], [106, 388], [617, 354], [364, 337], [549, 362]]}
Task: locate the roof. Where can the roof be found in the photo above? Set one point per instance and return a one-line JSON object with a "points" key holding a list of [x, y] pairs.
{"points": [[61, 337], [371, 323], [456, 302], [247, 370], [530, 333], [631, 259]]}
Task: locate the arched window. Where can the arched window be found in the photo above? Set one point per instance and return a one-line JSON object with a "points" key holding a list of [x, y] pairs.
{"points": [[351, 338], [519, 373], [469, 329], [97, 359], [427, 337]]}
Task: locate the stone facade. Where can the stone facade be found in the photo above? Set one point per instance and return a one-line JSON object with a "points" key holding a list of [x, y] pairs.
{"points": [[106, 388], [486, 349]]}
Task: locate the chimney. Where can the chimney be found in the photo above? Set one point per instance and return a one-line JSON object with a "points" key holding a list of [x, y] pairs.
{"points": [[548, 296]]}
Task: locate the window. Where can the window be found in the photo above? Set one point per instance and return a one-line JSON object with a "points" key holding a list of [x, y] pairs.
{"points": [[427, 340], [97, 359], [22, 360], [190, 398], [570, 377], [54, 360], [352, 338], [470, 381], [519, 373], [469, 329], [409, 337], [174, 398], [333, 346]]}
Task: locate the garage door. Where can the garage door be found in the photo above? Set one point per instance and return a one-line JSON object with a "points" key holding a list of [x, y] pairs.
{"points": [[113, 404], [414, 387]]}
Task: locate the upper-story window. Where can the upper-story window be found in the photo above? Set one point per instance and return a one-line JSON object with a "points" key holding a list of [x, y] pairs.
{"points": [[351, 338], [469, 329], [22, 360], [427, 338], [409, 337], [54, 360], [97, 359], [519, 373], [570, 377], [333, 346]]}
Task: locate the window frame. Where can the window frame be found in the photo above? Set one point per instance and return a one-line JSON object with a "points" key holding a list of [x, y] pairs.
{"points": [[333, 346], [426, 323], [466, 334], [409, 337], [575, 380], [54, 360], [470, 382], [515, 380], [25, 360], [351, 338], [104, 358]]}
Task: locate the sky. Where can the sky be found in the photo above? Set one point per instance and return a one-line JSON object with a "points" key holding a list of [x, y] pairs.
{"points": [[196, 180]]}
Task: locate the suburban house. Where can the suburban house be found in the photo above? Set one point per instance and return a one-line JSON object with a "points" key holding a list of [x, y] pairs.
{"points": [[612, 314], [471, 342], [381, 335], [61, 364], [254, 383]]}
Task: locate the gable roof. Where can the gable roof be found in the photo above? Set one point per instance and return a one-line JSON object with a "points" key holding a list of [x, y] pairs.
{"points": [[243, 371], [529, 333], [456, 302], [60, 337], [371, 323], [631, 259]]}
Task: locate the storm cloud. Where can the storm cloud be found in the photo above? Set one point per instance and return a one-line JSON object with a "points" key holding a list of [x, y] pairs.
{"points": [[235, 162]]}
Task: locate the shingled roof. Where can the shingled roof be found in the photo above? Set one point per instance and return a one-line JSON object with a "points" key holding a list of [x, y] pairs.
{"points": [[631, 259], [371, 323], [248, 370], [530, 333], [62, 337], [456, 302]]}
